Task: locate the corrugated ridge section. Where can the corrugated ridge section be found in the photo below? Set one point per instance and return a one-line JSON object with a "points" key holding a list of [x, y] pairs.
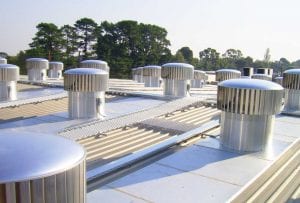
{"points": [[291, 81], [276, 183], [98, 126], [249, 101]]}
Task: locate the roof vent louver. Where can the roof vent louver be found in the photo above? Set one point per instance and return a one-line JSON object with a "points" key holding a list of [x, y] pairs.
{"points": [[41, 168], [199, 80], [227, 74], [37, 68], [9, 74], [248, 108], [177, 79], [55, 69], [291, 83], [86, 87], [152, 76]]}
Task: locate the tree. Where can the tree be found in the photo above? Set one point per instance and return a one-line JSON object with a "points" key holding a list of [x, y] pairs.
{"points": [[179, 58], [3, 54], [69, 45], [244, 62], [47, 41], [283, 64], [233, 54], [187, 54], [209, 59], [86, 29], [128, 44]]}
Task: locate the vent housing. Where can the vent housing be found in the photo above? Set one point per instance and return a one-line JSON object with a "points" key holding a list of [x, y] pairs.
{"points": [[55, 69], [227, 74], [86, 87], [199, 80], [248, 111], [177, 79], [9, 74], [152, 76], [41, 168], [97, 64], [3, 60], [37, 68], [291, 83]]}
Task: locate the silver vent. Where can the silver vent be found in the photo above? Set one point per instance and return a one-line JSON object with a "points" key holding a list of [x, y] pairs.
{"points": [[177, 78], [3, 60], [291, 83], [9, 74], [152, 76], [262, 77], [98, 64], [199, 80], [41, 168], [248, 108], [86, 87], [37, 68], [55, 69], [227, 74]]}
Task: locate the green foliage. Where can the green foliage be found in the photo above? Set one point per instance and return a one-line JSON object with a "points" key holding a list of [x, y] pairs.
{"points": [[187, 54], [209, 59], [128, 44], [47, 41], [86, 30]]}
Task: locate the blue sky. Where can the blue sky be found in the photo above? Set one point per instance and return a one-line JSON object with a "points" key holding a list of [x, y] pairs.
{"points": [[249, 25]]}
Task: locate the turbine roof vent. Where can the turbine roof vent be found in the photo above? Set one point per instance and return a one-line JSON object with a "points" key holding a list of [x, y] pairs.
{"points": [[9, 72], [85, 80], [178, 71]]}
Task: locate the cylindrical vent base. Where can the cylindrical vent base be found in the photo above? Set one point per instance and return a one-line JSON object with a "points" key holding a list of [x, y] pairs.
{"points": [[55, 73], [246, 133], [68, 186], [292, 102], [176, 88], [86, 105], [152, 81], [197, 83], [8, 90], [35, 74]]}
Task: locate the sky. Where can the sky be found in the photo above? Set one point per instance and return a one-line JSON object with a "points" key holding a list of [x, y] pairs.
{"points": [[251, 26]]}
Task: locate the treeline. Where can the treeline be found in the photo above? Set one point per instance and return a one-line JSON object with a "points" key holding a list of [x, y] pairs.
{"points": [[125, 45]]}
